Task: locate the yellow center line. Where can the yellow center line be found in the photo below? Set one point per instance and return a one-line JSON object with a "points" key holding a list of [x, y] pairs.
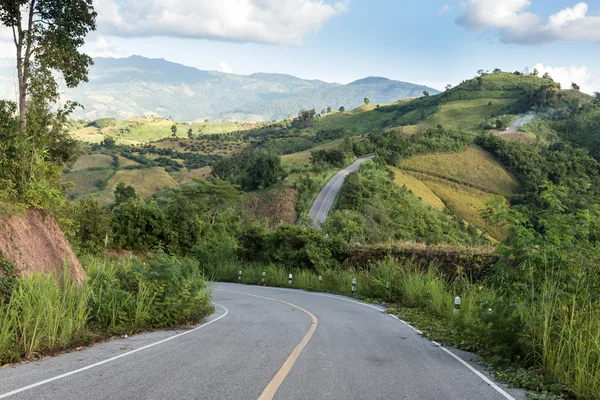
{"points": [[275, 383]]}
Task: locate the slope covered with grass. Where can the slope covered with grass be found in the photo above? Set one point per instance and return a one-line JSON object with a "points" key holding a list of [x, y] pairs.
{"points": [[474, 166], [466, 202], [418, 188]]}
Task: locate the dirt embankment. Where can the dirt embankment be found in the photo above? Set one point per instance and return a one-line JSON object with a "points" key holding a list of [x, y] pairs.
{"points": [[34, 242]]}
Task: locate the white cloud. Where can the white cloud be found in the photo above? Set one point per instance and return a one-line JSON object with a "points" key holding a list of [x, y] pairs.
{"points": [[516, 25], [104, 47], [581, 75], [445, 8], [224, 67], [259, 21]]}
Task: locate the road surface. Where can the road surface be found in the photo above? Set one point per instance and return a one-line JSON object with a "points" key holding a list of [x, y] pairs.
{"points": [[264, 343], [514, 128], [324, 202]]}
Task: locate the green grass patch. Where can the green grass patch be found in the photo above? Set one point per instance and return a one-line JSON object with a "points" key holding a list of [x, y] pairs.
{"points": [[92, 161], [468, 114]]}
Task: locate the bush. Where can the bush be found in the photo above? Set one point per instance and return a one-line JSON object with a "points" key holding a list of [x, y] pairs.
{"points": [[133, 295]]}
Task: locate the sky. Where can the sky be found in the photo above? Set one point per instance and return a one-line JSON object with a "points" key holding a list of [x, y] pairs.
{"points": [[432, 42]]}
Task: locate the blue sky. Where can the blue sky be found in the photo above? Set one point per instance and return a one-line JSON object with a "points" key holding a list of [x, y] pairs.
{"points": [[434, 42]]}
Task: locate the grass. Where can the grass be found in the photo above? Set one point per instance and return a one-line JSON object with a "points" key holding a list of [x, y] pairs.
{"points": [[418, 188], [186, 177], [302, 159], [126, 162], [45, 314], [145, 130], [85, 181], [92, 161], [145, 181], [463, 201], [42, 317], [467, 114], [473, 166]]}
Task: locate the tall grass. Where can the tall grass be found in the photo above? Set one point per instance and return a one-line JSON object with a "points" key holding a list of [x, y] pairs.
{"points": [[44, 314], [564, 332]]}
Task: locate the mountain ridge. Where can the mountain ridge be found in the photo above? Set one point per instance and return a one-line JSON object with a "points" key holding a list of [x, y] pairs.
{"points": [[140, 86]]}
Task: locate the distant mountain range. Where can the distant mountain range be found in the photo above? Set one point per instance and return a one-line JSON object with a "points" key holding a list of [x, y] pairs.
{"points": [[135, 86]]}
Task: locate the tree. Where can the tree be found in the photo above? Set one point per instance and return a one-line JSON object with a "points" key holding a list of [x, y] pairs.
{"points": [[575, 86], [124, 194], [47, 36], [323, 111], [547, 76], [342, 109], [597, 96], [174, 130], [497, 70], [329, 110], [109, 142], [425, 93], [367, 101], [191, 133], [481, 72], [448, 87], [265, 171], [535, 72]]}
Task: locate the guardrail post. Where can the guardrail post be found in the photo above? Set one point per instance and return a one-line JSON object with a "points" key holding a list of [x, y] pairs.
{"points": [[353, 285], [264, 277], [290, 279], [240, 276]]}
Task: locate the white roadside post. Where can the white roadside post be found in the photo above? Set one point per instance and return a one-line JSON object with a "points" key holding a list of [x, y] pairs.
{"points": [[457, 303], [264, 277], [387, 288], [353, 285], [240, 276], [320, 280], [290, 279]]}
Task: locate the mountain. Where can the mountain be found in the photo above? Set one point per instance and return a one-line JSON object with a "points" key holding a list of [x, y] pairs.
{"points": [[133, 86]]}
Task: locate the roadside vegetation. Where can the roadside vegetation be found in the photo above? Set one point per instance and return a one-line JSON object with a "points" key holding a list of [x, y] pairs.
{"points": [[42, 315]]}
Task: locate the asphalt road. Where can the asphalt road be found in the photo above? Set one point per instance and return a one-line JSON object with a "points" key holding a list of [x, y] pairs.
{"points": [[264, 343], [514, 128], [324, 202]]}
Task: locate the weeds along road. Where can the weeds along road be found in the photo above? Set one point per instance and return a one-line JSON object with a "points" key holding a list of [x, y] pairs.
{"points": [[262, 343], [324, 202]]}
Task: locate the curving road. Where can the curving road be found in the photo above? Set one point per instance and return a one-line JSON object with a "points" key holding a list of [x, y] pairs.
{"points": [[264, 343], [519, 122], [324, 202]]}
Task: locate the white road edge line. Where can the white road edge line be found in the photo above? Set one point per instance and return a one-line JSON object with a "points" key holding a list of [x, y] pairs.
{"points": [[466, 364], [34, 385], [463, 362]]}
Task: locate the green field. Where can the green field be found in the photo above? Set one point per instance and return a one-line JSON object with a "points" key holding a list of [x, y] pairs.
{"points": [[145, 130], [468, 114], [92, 161]]}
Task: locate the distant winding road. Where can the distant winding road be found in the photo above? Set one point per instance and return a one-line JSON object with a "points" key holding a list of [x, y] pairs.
{"points": [[324, 202], [264, 343], [514, 128]]}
